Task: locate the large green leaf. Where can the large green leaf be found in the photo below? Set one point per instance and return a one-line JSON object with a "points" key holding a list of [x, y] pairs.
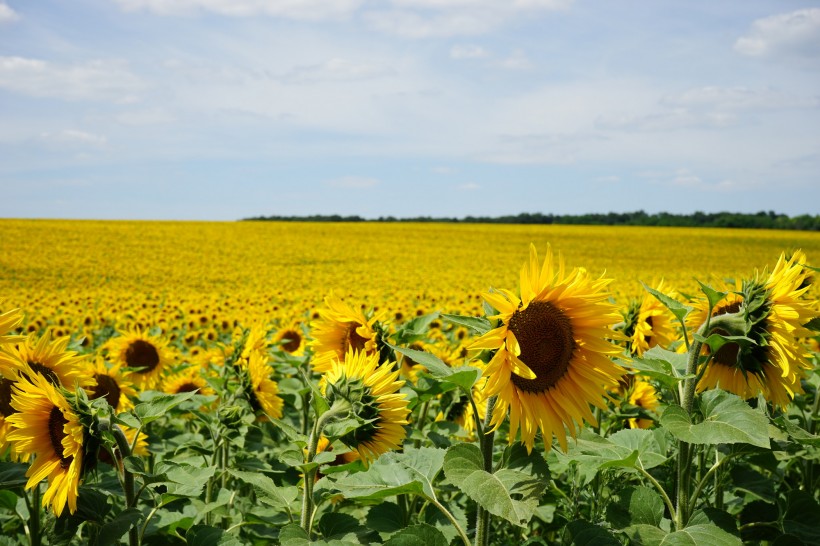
{"points": [[476, 325], [418, 535], [727, 419], [627, 449], [636, 505], [677, 308], [584, 533], [412, 471], [111, 532], [159, 406], [644, 535], [203, 535], [464, 468], [801, 517], [272, 494], [797, 433], [701, 535], [462, 376]]}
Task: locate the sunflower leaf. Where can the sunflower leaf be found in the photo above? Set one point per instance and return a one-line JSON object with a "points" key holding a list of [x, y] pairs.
{"points": [[584, 533], [159, 406], [797, 433], [636, 505], [412, 471], [464, 468], [713, 296], [813, 324], [727, 419], [112, 531], [264, 486], [477, 325], [677, 308], [716, 341], [418, 535], [697, 535], [463, 376], [204, 535]]}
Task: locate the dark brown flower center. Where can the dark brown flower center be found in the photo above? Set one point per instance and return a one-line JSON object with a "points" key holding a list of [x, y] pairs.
{"points": [[142, 354], [46, 372], [352, 339], [186, 387], [107, 388], [5, 397], [293, 341], [545, 335], [56, 433]]}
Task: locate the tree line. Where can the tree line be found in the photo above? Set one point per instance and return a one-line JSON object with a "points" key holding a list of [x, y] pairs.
{"points": [[759, 220]]}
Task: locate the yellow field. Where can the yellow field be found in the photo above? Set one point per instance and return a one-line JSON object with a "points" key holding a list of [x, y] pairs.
{"points": [[209, 275]]}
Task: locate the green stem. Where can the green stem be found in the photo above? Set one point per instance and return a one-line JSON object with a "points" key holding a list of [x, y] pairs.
{"points": [[812, 426], [309, 477], [127, 481], [659, 487], [712, 471], [34, 513], [482, 526], [452, 519], [687, 402]]}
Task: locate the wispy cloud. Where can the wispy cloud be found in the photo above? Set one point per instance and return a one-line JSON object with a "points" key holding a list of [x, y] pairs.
{"points": [[97, 79], [353, 182], [74, 137], [335, 69], [794, 33], [7, 15], [300, 10], [467, 51]]}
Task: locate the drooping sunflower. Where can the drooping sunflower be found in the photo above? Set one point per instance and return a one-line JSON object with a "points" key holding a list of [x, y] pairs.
{"points": [[552, 351], [340, 329], [47, 357], [642, 394], [188, 380], [48, 428], [147, 357], [776, 311], [372, 390], [112, 385], [653, 324], [264, 390]]}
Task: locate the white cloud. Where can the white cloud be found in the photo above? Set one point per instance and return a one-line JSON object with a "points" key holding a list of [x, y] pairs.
{"points": [[442, 169], [467, 51], [518, 60], [685, 178], [794, 33], [310, 10], [149, 116], [353, 182], [73, 137], [469, 186], [7, 15], [103, 80], [739, 97], [335, 70]]}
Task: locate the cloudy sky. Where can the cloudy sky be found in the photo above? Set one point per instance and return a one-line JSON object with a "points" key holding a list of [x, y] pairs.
{"points": [[222, 109]]}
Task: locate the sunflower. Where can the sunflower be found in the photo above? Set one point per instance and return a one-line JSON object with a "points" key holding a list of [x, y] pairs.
{"points": [[372, 389], [291, 339], [9, 320], [552, 354], [256, 341], [47, 427], [188, 380], [653, 325], [6, 411], [341, 329], [643, 395], [776, 312], [112, 385], [147, 357], [265, 390], [47, 357]]}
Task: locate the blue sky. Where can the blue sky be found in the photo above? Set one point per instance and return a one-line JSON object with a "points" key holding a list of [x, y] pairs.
{"points": [[223, 109]]}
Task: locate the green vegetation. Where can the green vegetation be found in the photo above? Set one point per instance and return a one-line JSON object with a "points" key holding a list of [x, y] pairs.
{"points": [[759, 220]]}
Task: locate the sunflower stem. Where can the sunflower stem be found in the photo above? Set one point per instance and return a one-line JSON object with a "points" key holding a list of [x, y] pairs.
{"points": [[482, 526], [452, 519], [687, 402], [127, 480], [812, 426], [34, 513]]}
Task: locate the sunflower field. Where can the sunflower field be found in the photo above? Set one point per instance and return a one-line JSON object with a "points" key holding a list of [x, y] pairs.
{"points": [[209, 384]]}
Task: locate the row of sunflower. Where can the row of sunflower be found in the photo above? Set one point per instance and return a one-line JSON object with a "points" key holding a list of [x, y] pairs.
{"points": [[226, 437]]}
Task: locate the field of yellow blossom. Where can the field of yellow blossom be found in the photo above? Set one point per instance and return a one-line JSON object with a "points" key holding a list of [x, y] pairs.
{"points": [[220, 384]]}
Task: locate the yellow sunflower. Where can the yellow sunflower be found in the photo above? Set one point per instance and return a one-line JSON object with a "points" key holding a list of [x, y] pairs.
{"points": [[47, 357], [256, 341], [643, 395], [112, 385], [372, 390], [47, 427], [340, 329], [552, 354], [188, 380], [9, 320], [654, 325], [291, 339], [776, 364], [264, 389], [147, 357], [6, 411]]}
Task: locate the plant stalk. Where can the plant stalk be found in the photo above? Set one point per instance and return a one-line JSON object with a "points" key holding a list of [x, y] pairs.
{"points": [[127, 481], [34, 513], [482, 526]]}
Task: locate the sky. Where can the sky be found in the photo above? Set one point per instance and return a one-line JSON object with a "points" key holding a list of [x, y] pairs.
{"points": [[225, 109]]}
